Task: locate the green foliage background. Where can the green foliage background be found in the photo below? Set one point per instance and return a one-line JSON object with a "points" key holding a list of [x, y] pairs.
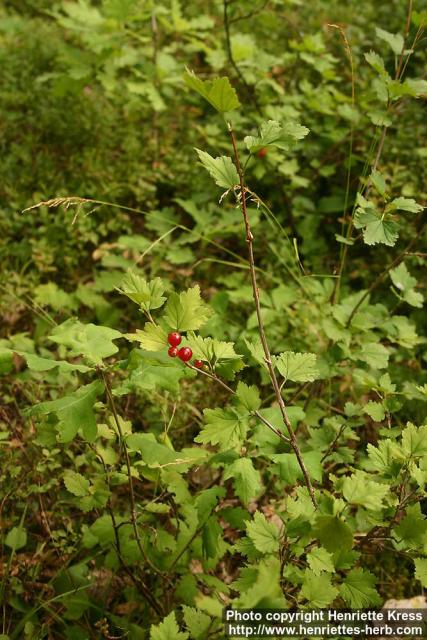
{"points": [[138, 496]]}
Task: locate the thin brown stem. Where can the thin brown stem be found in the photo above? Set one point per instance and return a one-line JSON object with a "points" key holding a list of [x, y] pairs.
{"points": [[255, 413], [129, 473], [261, 330]]}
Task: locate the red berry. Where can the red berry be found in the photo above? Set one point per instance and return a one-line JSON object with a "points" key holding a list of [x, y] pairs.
{"points": [[198, 364], [185, 354], [174, 339], [173, 352], [262, 152]]}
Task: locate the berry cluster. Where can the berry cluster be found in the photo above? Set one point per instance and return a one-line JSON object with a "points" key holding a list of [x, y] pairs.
{"points": [[185, 353]]}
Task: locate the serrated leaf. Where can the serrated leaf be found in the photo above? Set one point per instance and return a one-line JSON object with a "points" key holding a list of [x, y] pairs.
{"points": [[218, 92], [401, 278], [167, 629], [298, 367], [381, 232], [196, 622], [358, 589], [320, 560], [248, 396], [406, 204], [211, 349], [264, 535], [333, 533], [376, 63], [37, 363], [246, 479], [152, 337], [76, 484], [374, 354], [222, 169], [394, 40], [223, 427], [421, 570], [256, 351], [147, 294], [378, 181], [375, 410], [152, 452], [318, 589], [74, 412], [51, 295], [272, 133], [94, 342], [359, 489], [290, 470], [412, 529], [383, 456], [414, 441], [186, 311]]}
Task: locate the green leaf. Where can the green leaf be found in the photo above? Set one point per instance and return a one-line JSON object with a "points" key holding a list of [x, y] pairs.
{"points": [[37, 363], [211, 535], [152, 452], [375, 410], [359, 489], [320, 560], [318, 589], [411, 531], [421, 570], [218, 92], [246, 479], [406, 204], [264, 535], [394, 40], [196, 622], [405, 283], [223, 427], [378, 181], [401, 277], [248, 396], [210, 349], [374, 354], [186, 311], [272, 133], [290, 470], [50, 295], [76, 484], [148, 295], [414, 441], [358, 589], [167, 629], [151, 338], [94, 342], [298, 367], [377, 63], [16, 538], [381, 232], [333, 533], [222, 169], [74, 412]]}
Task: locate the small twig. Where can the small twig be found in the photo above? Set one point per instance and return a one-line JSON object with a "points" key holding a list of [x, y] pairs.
{"points": [[261, 330], [256, 413], [129, 472], [333, 443]]}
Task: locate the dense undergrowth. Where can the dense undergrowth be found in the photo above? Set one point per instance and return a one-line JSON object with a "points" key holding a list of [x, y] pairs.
{"points": [[267, 204]]}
